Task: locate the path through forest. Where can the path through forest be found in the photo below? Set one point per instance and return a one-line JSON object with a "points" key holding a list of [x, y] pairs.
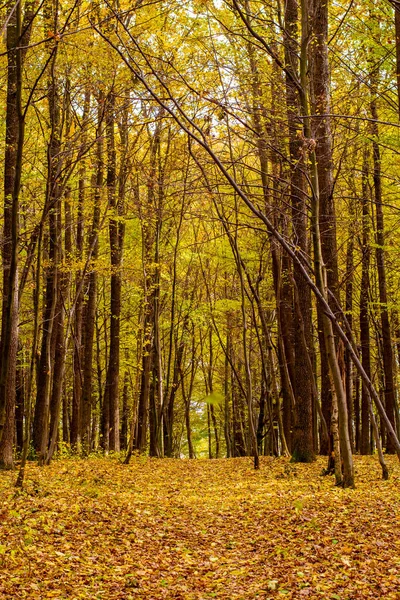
{"points": [[199, 529]]}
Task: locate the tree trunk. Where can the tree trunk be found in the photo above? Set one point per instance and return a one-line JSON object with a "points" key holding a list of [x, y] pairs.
{"points": [[116, 234], [15, 125], [20, 401], [125, 413], [349, 315], [396, 6], [61, 337], [364, 307], [302, 434], [46, 363], [387, 350], [320, 84], [77, 416], [83, 428], [321, 277]]}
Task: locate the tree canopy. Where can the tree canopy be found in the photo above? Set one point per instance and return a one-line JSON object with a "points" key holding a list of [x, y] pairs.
{"points": [[200, 222]]}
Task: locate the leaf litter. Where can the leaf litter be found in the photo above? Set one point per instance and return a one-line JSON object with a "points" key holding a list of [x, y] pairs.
{"points": [[180, 529]]}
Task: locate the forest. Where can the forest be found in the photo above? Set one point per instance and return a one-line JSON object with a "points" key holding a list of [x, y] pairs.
{"points": [[200, 260]]}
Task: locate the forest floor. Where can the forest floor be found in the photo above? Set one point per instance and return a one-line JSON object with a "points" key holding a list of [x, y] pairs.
{"points": [[180, 529]]}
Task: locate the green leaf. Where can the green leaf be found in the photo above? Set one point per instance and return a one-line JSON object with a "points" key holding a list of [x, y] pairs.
{"points": [[215, 398]]}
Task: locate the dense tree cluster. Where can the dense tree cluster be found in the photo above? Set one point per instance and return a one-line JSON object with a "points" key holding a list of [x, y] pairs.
{"points": [[199, 245]]}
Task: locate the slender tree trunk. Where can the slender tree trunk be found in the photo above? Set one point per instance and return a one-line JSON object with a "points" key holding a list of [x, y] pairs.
{"points": [[227, 417], [186, 395], [286, 348], [364, 307], [20, 400], [210, 454], [83, 425], [125, 413], [357, 415], [157, 396], [116, 234], [61, 337], [387, 350], [173, 349], [78, 416], [349, 314], [141, 438], [150, 398], [396, 6], [215, 427]]}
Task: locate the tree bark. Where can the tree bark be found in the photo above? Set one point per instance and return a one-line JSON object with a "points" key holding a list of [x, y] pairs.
{"points": [[18, 35], [52, 202], [302, 433], [89, 317], [364, 307], [77, 412], [387, 350], [116, 236]]}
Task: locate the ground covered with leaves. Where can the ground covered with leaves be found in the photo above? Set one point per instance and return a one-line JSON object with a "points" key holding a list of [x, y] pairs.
{"points": [[199, 529]]}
